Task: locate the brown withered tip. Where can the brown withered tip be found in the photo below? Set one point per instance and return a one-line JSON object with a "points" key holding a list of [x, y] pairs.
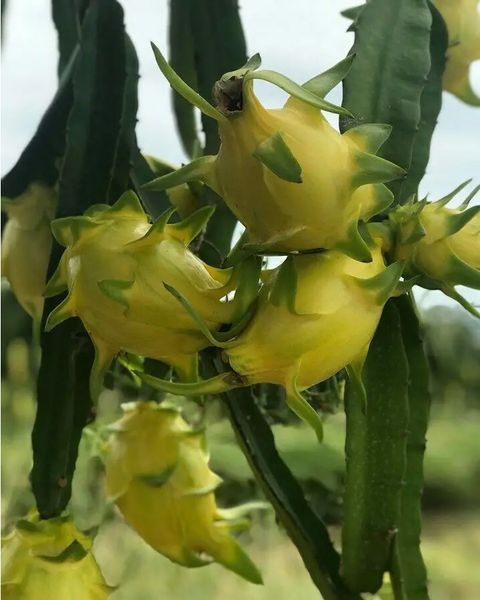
{"points": [[228, 95]]}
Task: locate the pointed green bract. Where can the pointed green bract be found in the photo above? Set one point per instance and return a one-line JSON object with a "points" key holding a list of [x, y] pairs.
{"points": [[446, 199], [369, 136], [383, 200], [188, 229], [57, 282], [373, 169], [451, 292], [297, 91], [277, 156], [116, 289], [128, 203], [302, 409], [61, 313], [185, 90], [252, 64], [198, 170], [462, 273], [157, 479], [469, 198], [383, 284], [456, 221], [68, 230], [284, 288], [355, 245]]}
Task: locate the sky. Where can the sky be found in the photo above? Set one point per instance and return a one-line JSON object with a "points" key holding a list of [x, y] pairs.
{"points": [[299, 38]]}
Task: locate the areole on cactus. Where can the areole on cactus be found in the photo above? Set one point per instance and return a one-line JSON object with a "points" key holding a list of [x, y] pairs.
{"points": [[287, 174], [158, 475], [26, 244], [317, 314], [50, 558], [114, 267], [462, 18], [440, 245]]}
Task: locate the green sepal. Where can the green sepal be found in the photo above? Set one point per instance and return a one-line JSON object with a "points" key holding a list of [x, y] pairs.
{"points": [[383, 284], [193, 560], [469, 198], [188, 229], [284, 289], [128, 203], [277, 156], [446, 199], [302, 408], [156, 231], [214, 385], [383, 200], [68, 230], [157, 479], [194, 314], [71, 554], [452, 293], [115, 289], [252, 64], [198, 170], [403, 287], [103, 358], [96, 210], [57, 282], [371, 136], [373, 169], [240, 563], [462, 273], [184, 89], [457, 221], [354, 245], [248, 285], [61, 313], [322, 84], [417, 233], [297, 91]]}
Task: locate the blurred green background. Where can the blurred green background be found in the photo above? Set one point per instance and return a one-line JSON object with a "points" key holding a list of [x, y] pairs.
{"points": [[451, 542]]}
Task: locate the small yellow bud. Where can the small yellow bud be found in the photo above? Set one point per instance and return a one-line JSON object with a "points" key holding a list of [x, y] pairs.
{"points": [[157, 473], [26, 245], [462, 18], [50, 559]]}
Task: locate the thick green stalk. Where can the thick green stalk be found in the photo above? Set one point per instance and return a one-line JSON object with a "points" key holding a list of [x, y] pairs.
{"points": [[375, 458], [408, 572]]}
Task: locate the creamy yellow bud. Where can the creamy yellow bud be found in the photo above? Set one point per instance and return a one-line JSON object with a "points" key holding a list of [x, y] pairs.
{"points": [[50, 559], [26, 245], [329, 324], [462, 18], [115, 267], [157, 473]]}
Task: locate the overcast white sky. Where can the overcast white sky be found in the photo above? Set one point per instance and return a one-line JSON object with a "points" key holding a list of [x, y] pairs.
{"points": [[299, 38]]}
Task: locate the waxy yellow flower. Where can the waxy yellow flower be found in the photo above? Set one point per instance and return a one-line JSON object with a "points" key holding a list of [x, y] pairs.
{"points": [[158, 475], [115, 268], [26, 245], [50, 560], [462, 18]]}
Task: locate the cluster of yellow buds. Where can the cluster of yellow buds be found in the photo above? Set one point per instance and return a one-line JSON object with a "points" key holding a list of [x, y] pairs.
{"points": [[26, 244], [50, 558], [158, 475]]}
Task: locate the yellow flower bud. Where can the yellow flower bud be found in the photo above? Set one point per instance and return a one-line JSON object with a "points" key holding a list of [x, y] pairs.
{"points": [[441, 243], [157, 473], [26, 245], [293, 180], [462, 18], [115, 267], [50, 558], [317, 315]]}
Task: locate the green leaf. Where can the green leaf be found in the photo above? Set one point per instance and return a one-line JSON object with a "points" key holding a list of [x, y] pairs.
{"points": [[430, 105], [306, 530], [63, 399], [277, 156], [375, 458], [408, 572], [388, 75]]}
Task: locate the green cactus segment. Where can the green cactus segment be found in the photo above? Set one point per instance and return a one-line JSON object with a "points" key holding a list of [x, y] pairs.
{"points": [[67, 17], [183, 89], [199, 169], [388, 75], [374, 169], [375, 458], [277, 156], [303, 409], [407, 570], [299, 92], [430, 105]]}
